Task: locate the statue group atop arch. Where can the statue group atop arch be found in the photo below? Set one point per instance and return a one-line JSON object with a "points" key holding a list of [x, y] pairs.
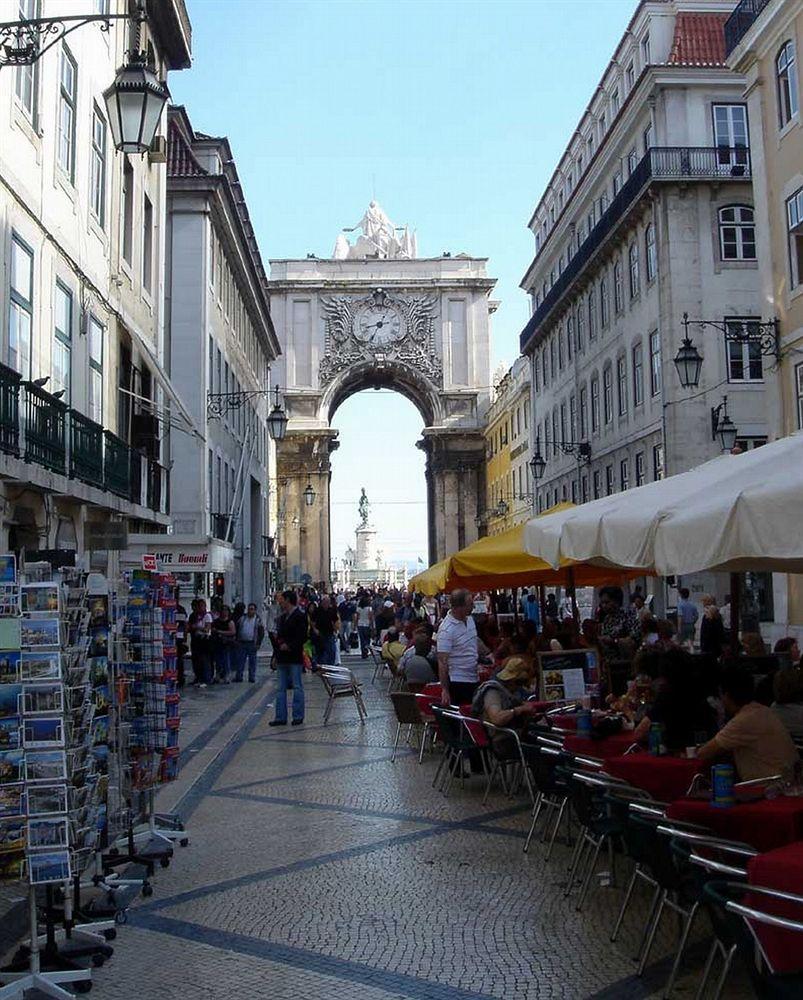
{"points": [[376, 315]]}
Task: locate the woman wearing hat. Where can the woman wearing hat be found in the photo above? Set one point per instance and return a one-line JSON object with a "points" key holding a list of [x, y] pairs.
{"points": [[502, 700]]}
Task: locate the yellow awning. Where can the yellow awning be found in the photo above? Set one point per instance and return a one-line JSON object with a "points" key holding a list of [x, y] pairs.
{"points": [[431, 581]]}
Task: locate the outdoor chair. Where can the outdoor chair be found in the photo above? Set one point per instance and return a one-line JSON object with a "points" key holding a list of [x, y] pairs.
{"points": [[379, 664], [408, 713], [543, 758], [340, 682], [512, 758], [741, 914], [460, 745]]}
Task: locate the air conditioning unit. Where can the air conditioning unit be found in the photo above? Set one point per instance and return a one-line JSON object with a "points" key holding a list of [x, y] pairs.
{"points": [[158, 151]]}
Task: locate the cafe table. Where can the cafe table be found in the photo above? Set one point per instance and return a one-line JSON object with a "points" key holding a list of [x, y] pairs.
{"points": [[765, 824], [666, 778], [780, 869], [603, 749]]}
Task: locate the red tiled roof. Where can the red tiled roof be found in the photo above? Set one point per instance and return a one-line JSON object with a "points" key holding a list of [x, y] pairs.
{"points": [[699, 40], [181, 161]]}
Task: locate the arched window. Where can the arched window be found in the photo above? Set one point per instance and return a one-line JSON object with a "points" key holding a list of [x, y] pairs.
{"points": [[786, 76], [737, 233], [651, 255], [633, 266]]}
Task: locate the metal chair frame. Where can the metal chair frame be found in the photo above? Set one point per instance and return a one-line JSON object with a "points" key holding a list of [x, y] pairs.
{"points": [[340, 682], [500, 764]]}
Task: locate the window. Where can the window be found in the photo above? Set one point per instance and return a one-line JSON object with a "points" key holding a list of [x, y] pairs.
{"points": [[607, 393], [794, 218], [27, 78], [545, 366], [786, 76], [799, 394], [537, 372], [147, 243], [633, 269], [592, 315], [751, 443], [655, 363], [604, 305], [574, 491], [20, 319], [555, 438], [559, 336], [128, 209], [584, 411], [618, 287], [630, 76], [648, 138], [581, 336], [552, 365], [744, 359], [638, 374], [573, 417], [570, 335], [651, 255], [641, 477], [597, 485], [617, 183], [608, 480], [594, 404], [584, 489], [731, 137], [645, 50], [737, 233], [632, 161], [66, 124], [563, 422], [95, 370], [621, 385], [615, 103], [624, 474], [62, 341], [97, 168], [658, 462]]}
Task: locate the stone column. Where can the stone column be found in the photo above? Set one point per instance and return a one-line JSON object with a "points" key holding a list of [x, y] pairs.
{"points": [[456, 485]]}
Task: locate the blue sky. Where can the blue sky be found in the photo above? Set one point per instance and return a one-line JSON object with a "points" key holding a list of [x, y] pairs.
{"points": [[453, 113]]}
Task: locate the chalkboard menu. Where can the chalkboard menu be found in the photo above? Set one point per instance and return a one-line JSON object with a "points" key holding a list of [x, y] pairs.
{"points": [[569, 674]]}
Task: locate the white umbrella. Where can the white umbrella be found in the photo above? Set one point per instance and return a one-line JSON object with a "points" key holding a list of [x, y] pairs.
{"points": [[737, 512]]}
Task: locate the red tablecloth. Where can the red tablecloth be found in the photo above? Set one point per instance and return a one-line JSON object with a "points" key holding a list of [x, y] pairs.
{"points": [[612, 746], [665, 778], [765, 825], [780, 869]]}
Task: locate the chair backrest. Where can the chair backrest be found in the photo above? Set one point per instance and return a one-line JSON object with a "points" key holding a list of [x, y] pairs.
{"points": [[432, 690], [450, 726], [405, 705]]}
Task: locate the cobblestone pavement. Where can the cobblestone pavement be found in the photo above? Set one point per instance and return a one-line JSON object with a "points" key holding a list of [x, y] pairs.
{"points": [[317, 868]]}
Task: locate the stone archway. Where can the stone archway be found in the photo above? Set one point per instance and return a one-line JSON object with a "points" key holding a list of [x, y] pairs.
{"points": [[381, 320]]}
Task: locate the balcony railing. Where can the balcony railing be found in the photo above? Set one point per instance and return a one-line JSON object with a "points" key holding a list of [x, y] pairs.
{"points": [[661, 163], [740, 22], [9, 411], [45, 431], [221, 528], [86, 449]]}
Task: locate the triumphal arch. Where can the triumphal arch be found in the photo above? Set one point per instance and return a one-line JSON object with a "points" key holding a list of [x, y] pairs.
{"points": [[376, 315]]}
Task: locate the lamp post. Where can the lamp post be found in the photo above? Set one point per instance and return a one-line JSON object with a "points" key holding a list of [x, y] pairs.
{"points": [[309, 495], [722, 426], [537, 462], [277, 420], [689, 362], [763, 339]]}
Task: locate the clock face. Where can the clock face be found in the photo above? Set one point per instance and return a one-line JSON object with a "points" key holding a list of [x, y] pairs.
{"points": [[378, 325]]}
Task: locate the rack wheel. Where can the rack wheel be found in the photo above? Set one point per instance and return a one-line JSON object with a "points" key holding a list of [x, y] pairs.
{"points": [[184, 841], [82, 986], [98, 960], [110, 933], [121, 917], [164, 862], [147, 889]]}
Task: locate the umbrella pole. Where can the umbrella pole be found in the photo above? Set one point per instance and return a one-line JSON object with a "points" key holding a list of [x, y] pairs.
{"points": [[570, 583], [736, 611], [542, 602]]}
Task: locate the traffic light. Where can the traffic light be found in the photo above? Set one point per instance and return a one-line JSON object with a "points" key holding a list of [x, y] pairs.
{"points": [[219, 585]]}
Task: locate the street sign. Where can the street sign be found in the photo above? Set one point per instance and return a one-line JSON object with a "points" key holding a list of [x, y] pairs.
{"points": [[149, 562], [106, 536]]}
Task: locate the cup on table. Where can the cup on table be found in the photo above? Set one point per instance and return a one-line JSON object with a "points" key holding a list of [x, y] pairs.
{"points": [[691, 752]]}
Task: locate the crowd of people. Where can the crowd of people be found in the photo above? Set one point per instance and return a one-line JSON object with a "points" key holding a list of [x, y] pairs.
{"points": [[223, 643]]}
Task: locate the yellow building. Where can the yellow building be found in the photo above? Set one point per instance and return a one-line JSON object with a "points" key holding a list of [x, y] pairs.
{"points": [[762, 40], [508, 451]]}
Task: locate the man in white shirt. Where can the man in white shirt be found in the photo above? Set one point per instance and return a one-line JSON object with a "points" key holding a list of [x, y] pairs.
{"points": [[457, 651]]}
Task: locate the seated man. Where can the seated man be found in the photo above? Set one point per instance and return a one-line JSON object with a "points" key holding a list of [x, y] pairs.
{"points": [[417, 665], [759, 741], [501, 701], [392, 649]]}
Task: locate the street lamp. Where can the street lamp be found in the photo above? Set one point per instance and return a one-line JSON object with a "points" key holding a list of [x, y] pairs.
{"points": [[309, 495], [277, 420], [538, 463], [722, 426], [134, 105], [689, 363], [501, 509]]}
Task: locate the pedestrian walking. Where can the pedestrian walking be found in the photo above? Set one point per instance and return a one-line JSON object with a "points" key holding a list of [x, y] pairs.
{"points": [[223, 638], [687, 616], [288, 650], [250, 633], [365, 624], [200, 626]]}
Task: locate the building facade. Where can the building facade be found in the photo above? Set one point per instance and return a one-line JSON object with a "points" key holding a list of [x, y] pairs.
{"points": [[220, 344], [509, 493], [87, 407], [648, 215], [762, 42]]}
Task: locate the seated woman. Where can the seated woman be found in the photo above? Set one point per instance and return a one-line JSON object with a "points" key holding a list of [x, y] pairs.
{"points": [[392, 649], [678, 704], [502, 702], [788, 704]]}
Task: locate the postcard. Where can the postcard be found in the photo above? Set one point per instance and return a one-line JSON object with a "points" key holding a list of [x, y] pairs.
{"points": [[9, 666], [12, 865], [10, 765], [48, 866], [39, 598], [44, 732], [45, 800], [99, 642], [10, 700], [8, 568], [48, 833], [12, 834], [10, 633], [46, 766], [10, 732], [9, 602], [11, 800], [40, 632], [45, 666], [42, 699]]}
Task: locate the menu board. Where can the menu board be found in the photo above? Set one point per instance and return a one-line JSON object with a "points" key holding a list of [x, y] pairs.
{"points": [[569, 674]]}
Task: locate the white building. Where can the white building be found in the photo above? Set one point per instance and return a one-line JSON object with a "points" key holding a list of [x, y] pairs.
{"points": [[85, 401], [508, 450], [648, 215], [220, 343]]}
